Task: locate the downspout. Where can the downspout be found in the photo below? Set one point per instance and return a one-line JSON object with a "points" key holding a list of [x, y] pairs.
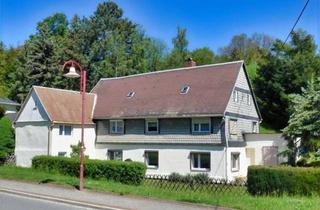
{"points": [[50, 138], [226, 149]]}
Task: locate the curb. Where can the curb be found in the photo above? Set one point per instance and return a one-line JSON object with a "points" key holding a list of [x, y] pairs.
{"points": [[60, 200]]}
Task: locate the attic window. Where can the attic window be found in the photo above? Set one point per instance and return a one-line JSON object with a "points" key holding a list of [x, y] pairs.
{"points": [[131, 94], [184, 89]]}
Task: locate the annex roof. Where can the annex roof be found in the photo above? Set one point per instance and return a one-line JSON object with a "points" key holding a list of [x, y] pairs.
{"points": [[64, 106], [158, 94]]}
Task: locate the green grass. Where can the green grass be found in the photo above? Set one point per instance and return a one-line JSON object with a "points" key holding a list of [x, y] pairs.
{"points": [[266, 129], [221, 199]]}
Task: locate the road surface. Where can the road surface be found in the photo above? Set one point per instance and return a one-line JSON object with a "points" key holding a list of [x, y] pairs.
{"points": [[17, 202]]}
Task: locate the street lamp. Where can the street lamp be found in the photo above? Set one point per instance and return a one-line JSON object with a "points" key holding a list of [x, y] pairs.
{"points": [[73, 69]]}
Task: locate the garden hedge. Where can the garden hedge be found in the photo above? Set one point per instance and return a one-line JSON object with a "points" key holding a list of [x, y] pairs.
{"points": [[279, 180], [124, 172]]}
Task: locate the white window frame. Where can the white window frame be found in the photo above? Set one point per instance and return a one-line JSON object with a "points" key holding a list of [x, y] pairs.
{"points": [[147, 126], [113, 151], [237, 163], [62, 130], [186, 88], [254, 127], [235, 96], [200, 121], [193, 154], [116, 127], [146, 159]]}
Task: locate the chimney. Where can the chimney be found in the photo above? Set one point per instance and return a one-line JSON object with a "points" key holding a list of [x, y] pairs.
{"points": [[189, 63]]}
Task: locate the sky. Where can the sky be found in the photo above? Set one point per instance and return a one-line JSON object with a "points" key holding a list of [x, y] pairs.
{"points": [[209, 23]]}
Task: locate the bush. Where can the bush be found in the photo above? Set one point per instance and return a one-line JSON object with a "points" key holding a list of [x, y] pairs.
{"points": [[189, 178], [124, 172], [263, 180], [6, 139]]}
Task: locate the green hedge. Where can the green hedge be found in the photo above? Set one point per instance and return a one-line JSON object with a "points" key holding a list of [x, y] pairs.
{"points": [[263, 180], [124, 172]]}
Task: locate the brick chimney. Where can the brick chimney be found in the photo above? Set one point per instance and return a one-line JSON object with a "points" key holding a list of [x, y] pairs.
{"points": [[189, 63]]}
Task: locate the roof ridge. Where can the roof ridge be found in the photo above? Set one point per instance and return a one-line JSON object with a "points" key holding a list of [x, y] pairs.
{"points": [[171, 70], [59, 89]]}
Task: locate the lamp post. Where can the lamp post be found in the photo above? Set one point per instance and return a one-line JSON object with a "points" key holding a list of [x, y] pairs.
{"points": [[73, 69]]}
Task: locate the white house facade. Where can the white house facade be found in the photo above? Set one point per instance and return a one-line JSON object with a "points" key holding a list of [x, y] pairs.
{"points": [[188, 120]]}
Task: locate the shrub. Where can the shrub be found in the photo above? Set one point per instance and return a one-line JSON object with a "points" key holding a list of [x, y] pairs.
{"points": [[124, 172], [189, 178], [263, 180]]}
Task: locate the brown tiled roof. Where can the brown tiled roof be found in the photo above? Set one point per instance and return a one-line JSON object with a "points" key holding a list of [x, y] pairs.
{"points": [[64, 106], [158, 93]]}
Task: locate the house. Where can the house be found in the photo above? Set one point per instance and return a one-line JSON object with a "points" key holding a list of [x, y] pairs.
{"points": [[10, 107], [185, 120], [49, 122]]}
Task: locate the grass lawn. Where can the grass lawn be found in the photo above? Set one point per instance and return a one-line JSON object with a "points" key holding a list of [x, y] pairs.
{"points": [[221, 199], [265, 129]]}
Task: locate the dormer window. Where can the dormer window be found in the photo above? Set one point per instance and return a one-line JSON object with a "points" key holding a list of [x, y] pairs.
{"points": [[184, 89], [131, 94]]}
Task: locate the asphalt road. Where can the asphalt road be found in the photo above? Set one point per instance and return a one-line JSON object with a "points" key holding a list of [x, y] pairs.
{"points": [[16, 202]]}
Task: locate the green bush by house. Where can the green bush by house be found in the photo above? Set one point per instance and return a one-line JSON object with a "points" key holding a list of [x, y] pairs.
{"points": [[124, 172], [263, 180], [6, 138]]}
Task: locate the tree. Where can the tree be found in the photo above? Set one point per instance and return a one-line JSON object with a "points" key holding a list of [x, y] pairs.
{"points": [[203, 56], [304, 123], [6, 139], [180, 52], [289, 67]]}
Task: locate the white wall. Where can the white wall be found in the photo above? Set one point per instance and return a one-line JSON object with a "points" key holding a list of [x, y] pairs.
{"points": [[62, 143], [242, 163], [172, 158], [31, 140], [257, 141]]}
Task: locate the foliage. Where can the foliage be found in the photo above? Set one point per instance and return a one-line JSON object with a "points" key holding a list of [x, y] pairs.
{"points": [[289, 67], [7, 67], [124, 172], [304, 123], [189, 178], [203, 56], [263, 180], [6, 139], [75, 150]]}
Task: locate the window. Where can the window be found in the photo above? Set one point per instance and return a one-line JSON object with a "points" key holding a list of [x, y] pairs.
{"points": [[200, 161], [248, 99], [254, 127], [235, 162], [201, 125], [62, 154], [131, 94], [152, 159], [65, 130], [115, 155], [184, 89], [116, 126], [235, 96], [152, 125]]}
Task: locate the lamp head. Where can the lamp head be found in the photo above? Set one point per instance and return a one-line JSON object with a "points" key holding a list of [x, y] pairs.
{"points": [[72, 73]]}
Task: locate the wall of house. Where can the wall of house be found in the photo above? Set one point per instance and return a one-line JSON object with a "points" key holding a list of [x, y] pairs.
{"points": [[62, 143], [166, 126], [172, 157], [256, 142], [9, 108], [31, 140], [240, 110], [243, 166], [31, 131]]}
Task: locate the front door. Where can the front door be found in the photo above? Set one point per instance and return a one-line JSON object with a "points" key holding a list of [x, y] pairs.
{"points": [[270, 155]]}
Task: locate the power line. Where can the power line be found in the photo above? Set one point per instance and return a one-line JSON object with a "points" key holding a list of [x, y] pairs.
{"points": [[304, 7]]}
